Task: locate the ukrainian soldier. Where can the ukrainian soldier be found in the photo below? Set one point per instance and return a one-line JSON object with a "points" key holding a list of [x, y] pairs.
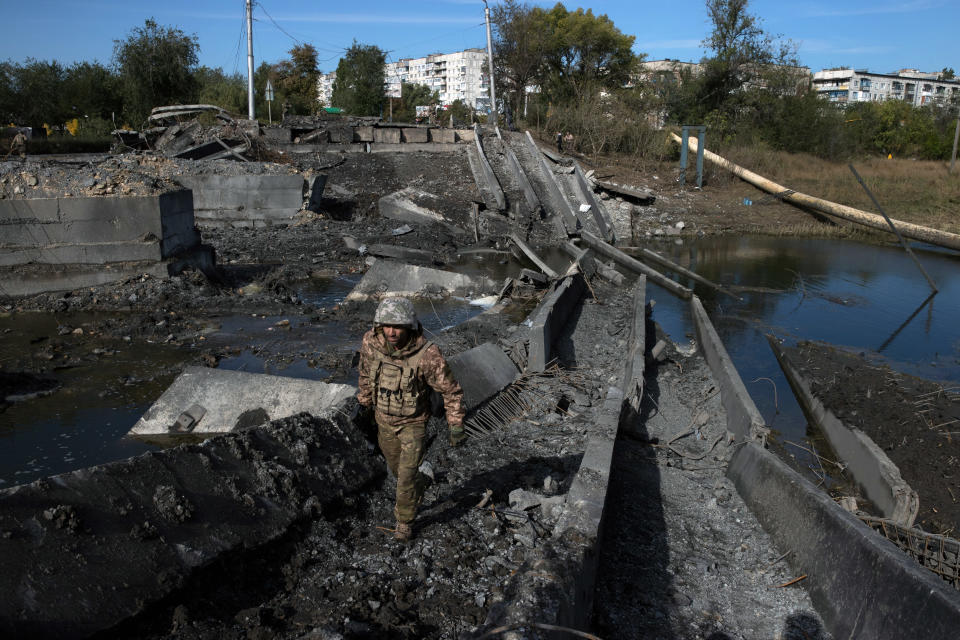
{"points": [[19, 145], [398, 368]]}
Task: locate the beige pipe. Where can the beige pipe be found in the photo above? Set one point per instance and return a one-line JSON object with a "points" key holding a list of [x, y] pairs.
{"points": [[915, 231]]}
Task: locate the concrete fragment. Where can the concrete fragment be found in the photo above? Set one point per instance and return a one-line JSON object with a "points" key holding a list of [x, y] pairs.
{"points": [[869, 465], [227, 395], [400, 253], [482, 371], [363, 134], [386, 135], [245, 201], [414, 206], [443, 136], [530, 253], [415, 134], [549, 318], [386, 278]]}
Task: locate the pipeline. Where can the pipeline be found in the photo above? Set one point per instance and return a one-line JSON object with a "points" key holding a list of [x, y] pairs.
{"points": [[910, 230]]}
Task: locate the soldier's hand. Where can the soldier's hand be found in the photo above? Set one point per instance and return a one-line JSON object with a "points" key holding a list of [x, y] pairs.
{"points": [[457, 437]]}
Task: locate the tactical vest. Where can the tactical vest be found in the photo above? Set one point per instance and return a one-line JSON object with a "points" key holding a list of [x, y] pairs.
{"points": [[398, 390]]}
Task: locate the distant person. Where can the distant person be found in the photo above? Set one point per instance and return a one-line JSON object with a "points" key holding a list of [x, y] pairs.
{"points": [[398, 368], [559, 142], [568, 141], [18, 146]]}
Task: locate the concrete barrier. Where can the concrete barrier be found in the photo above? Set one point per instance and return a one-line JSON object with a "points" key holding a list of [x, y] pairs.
{"points": [[743, 418], [862, 585], [85, 550], [484, 176], [228, 400], [391, 135], [415, 134], [636, 347], [387, 278], [245, 201], [866, 462], [529, 194], [59, 244], [548, 320]]}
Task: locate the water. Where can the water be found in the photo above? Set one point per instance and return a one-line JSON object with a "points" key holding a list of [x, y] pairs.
{"points": [[868, 298]]}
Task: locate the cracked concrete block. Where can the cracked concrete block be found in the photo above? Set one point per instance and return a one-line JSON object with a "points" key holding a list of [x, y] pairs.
{"points": [[363, 134], [414, 206], [386, 135], [227, 395], [415, 134], [443, 136]]}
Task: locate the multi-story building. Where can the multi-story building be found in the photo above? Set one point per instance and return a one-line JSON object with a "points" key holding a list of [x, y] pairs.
{"points": [[325, 88], [461, 75], [912, 86]]}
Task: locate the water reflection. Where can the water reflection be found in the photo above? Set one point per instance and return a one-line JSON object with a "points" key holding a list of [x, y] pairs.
{"points": [[865, 297]]}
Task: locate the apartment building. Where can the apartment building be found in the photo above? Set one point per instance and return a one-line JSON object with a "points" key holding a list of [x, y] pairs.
{"points": [[461, 75], [910, 85], [325, 88]]}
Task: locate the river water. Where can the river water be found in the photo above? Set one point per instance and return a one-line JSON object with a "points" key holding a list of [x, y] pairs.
{"points": [[866, 297]]}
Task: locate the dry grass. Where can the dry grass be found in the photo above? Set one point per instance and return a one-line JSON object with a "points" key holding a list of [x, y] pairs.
{"points": [[922, 192]]}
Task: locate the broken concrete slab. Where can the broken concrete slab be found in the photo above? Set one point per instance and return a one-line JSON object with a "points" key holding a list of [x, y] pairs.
{"points": [[231, 399], [526, 188], [549, 318], [585, 191], [83, 551], [869, 465], [556, 201], [253, 200], [531, 254], [483, 371], [484, 175], [216, 149], [399, 253], [641, 196], [387, 278], [416, 207], [633, 379]]}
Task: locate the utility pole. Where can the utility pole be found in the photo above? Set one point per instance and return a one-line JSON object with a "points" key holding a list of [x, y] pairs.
{"points": [[493, 90], [250, 59], [956, 136]]}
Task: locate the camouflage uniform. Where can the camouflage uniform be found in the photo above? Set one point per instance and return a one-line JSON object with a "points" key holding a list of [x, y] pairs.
{"points": [[19, 145], [396, 382]]}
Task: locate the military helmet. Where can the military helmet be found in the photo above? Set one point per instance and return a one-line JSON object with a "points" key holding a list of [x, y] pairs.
{"points": [[396, 311]]}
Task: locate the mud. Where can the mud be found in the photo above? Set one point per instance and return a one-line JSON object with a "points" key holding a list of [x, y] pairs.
{"points": [[915, 421]]}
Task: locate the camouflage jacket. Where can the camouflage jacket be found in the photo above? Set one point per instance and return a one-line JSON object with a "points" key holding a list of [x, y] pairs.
{"points": [[431, 369]]}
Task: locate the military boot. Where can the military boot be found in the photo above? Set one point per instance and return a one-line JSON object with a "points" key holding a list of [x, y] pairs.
{"points": [[403, 532]]}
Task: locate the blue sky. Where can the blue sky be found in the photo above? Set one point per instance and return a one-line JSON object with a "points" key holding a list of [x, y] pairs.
{"points": [[879, 35]]}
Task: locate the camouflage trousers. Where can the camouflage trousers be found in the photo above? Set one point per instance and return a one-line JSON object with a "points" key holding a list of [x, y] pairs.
{"points": [[403, 447]]}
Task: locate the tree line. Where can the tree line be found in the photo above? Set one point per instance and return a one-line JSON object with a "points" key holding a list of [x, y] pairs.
{"points": [[556, 70], [574, 71], [154, 65]]}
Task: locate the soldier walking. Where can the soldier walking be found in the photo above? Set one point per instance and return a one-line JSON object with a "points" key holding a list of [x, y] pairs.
{"points": [[398, 368]]}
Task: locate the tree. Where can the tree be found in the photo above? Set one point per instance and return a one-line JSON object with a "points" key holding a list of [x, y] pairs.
{"points": [[411, 97], [358, 89], [947, 74], [586, 53], [39, 97], [295, 80], [217, 88], [155, 65], [519, 50], [571, 55]]}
